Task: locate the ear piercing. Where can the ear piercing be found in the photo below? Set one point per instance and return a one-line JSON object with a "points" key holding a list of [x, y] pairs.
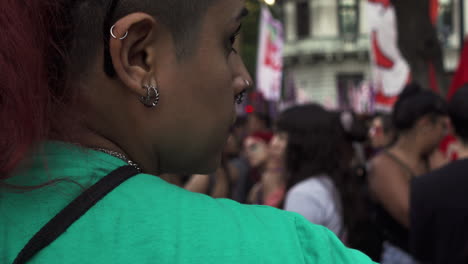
{"points": [[114, 36], [240, 97], [152, 96]]}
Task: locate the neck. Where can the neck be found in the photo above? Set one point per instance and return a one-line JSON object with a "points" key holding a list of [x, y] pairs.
{"points": [[409, 144], [92, 139]]}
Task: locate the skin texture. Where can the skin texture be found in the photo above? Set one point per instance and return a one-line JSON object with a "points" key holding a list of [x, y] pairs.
{"points": [[186, 131], [278, 145], [389, 182]]}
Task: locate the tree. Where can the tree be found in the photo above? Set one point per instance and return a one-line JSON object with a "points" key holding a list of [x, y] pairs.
{"points": [[418, 42], [249, 36]]}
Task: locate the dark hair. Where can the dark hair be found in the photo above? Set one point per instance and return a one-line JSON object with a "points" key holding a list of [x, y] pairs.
{"points": [[355, 128], [458, 110], [413, 104], [265, 118], [44, 42], [92, 20], [317, 145], [315, 141]]}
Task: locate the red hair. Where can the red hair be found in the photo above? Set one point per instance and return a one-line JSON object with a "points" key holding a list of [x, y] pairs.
{"points": [[264, 136], [25, 97]]}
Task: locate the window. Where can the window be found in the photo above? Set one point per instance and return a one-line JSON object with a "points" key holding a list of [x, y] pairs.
{"points": [[348, 19], [346, 84], [445, 21], [303, 19]]}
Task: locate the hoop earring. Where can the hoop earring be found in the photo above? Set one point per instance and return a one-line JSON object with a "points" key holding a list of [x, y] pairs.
{"points": [[152, 96], [113, 35]]}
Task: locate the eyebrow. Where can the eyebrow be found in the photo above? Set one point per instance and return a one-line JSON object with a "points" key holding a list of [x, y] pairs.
{"points": [[243, 13]]}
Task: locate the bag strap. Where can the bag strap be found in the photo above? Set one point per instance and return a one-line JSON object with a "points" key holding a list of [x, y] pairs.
{"points": [[72, 212]]}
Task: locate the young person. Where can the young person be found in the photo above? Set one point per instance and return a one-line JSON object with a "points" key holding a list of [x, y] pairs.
{"points": [[439, 209], [96, 98]]}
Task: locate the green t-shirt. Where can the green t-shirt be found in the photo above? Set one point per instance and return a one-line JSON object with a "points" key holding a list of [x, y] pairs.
{"points": [[146, 220]]}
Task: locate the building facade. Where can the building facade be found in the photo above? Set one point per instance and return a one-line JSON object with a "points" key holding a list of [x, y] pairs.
{"points": [[327, 47]]}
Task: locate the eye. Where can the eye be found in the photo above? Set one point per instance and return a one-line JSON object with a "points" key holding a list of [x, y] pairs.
{"points": [[234, 37]]}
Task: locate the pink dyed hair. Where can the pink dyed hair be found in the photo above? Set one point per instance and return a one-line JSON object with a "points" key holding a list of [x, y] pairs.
{"points": [[25, 97]]}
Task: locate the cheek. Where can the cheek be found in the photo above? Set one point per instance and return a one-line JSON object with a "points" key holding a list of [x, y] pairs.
{"points": [[210, 95], [196, 108], [216, 93], [284, 145]]}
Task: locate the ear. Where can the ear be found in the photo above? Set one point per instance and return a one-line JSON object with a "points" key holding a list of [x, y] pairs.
{"points": [[426, 122], [133, 55]]}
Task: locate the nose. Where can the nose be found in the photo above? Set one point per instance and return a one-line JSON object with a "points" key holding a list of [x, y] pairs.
{"points": [[242, 78]]}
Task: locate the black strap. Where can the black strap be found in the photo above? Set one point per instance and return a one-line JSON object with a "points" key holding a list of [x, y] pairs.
{"points": [[77, 208], [403, 165]]}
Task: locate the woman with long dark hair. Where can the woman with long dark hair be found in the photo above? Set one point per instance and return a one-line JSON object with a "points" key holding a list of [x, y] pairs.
{"points": [[98, 97], [318, 158]]}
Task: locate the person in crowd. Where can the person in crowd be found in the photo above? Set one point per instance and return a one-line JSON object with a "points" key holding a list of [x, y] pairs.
{"points": [[439, 206], [420, 120], [241, 182], [271, 188], [361, 231], [381, 132], [218, 184], [98, 97], [318, 160], [239, 129], [268, 188], [258, 122], [173, 178]]}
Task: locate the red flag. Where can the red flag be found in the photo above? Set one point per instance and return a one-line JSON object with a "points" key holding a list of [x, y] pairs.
{"points": [[461, 75], [385, 3], [434, 10], [380, 58]]}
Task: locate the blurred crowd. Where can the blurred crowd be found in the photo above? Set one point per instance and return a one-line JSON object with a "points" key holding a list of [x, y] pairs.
{"points": [[389, 184]]}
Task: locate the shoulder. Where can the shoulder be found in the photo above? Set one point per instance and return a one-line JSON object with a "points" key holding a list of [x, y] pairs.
{"points": [[320, 245], [382, 169], [146, 218], [146, 198], [311, 186], [310, 196], [380, 161]]}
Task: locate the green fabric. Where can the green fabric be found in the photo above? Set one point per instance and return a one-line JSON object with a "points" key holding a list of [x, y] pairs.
{"points": [[146, 220]]}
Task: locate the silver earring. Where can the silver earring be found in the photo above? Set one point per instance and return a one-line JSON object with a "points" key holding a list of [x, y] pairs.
{"points": [[152, 96], [240, 97], [113, 35]]}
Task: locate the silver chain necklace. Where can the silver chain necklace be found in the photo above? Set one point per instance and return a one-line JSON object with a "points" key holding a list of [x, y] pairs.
{"points": [[120, 156]]}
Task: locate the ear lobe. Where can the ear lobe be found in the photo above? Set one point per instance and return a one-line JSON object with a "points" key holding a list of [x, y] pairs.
{"points": [[132, 56], [424, 121]]}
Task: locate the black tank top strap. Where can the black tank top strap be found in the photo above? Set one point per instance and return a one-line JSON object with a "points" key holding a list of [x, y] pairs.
{"points": [[401, 163]]}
